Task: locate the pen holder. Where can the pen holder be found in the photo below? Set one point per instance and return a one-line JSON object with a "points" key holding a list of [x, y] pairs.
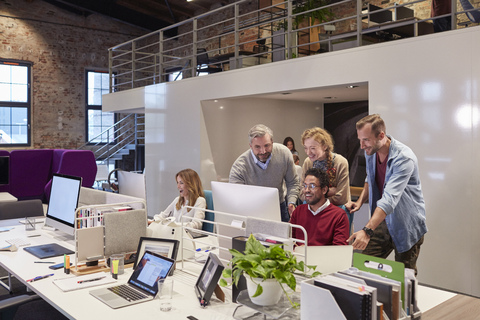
{"points": [[29, 224]]}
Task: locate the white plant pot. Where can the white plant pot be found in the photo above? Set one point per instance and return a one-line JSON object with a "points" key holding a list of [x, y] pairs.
{"points": [[272, 291]]}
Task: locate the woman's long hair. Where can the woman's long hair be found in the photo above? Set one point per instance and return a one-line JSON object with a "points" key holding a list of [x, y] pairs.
{"points": [[194, 185]]}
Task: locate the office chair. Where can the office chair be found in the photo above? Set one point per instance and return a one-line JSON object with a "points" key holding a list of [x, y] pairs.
{"points": [[203, 62], [260, 47], [210, 216]]}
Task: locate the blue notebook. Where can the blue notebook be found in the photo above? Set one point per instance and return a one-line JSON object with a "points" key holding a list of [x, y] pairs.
{"points": [[48, 250]]}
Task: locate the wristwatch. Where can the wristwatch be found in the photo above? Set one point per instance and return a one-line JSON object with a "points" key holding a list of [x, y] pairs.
{"points": [[368, 231]]}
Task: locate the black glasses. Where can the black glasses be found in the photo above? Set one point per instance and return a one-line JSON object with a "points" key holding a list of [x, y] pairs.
{"points": [[310, 186]]}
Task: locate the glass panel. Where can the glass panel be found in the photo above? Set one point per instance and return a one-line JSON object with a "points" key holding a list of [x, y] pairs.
{"points": [[19, 92], [5, 134], [19, 74], [108, 118], [19, 116], [19, 134], [90, 96], [97, 97], [105, 81], [94, 118], [5, 92], [5, 115], [94, 132], [97, 81], [90, 79], [5, 75]]}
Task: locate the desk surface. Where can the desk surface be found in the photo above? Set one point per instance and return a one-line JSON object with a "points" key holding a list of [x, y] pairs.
{"points": [[79, 304], [21, 264], [6, 197]]}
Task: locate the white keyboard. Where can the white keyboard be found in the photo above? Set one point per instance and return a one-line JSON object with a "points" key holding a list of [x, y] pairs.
{"points": [[19, 242]]}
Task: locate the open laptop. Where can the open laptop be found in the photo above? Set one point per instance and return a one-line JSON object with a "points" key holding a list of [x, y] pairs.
{"points": [[142, 285]]}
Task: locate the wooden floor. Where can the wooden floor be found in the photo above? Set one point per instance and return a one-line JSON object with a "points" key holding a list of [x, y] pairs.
{"points": [[459, 307]]}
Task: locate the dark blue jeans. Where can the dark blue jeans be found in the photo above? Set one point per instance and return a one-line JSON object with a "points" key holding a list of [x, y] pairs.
{"points": [[284, 212], [442, 24]]}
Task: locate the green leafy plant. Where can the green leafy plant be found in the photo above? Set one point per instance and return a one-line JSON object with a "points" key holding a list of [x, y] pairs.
{"points": [[320, 15], [271, 262]]}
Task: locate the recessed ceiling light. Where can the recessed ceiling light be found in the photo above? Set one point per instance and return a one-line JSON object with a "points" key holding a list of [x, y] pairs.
{"points": [[352, 87]]}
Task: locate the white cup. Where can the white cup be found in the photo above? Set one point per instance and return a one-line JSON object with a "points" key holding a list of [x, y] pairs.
{"points": [[165, 293]]}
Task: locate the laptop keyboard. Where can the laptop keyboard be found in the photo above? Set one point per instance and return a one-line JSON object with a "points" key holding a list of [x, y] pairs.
{"points": [[127, 293]]}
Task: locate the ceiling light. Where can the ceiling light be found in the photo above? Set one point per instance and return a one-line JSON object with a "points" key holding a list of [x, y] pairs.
{"points": [[352, 87]]}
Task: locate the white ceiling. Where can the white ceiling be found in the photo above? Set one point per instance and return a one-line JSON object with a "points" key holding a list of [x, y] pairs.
{"points": [[330, 94]]}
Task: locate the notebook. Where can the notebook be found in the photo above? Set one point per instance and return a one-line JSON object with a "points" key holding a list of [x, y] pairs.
{"points": [[48, 250], [142, 285]]}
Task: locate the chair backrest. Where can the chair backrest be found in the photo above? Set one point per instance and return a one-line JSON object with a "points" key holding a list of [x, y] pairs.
{"points": [[210, 216], [202, 56]]}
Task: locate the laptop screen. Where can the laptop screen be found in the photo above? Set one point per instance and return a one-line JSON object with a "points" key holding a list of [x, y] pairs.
{"points": [[149, 270]]}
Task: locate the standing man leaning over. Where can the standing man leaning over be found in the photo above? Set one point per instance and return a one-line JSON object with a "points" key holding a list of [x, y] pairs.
{"points": [[395, 196], [268, 164]]}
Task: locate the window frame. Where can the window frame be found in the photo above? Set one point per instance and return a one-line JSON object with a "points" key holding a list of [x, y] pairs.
{"points": [[27, 104], [89, 107]]}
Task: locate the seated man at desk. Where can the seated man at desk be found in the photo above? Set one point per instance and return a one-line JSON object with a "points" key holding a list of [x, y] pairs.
{"points": [[325, 223]]}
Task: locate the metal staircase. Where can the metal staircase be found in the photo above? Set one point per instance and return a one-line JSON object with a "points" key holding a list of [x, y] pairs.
{"points": [[118, 141]]}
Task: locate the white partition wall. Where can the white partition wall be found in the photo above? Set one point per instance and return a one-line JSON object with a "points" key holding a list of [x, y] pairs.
{"points": [[425, 88]]}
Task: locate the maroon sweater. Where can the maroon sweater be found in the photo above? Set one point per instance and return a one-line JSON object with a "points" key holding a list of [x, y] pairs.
{"points": [[328, 227]]}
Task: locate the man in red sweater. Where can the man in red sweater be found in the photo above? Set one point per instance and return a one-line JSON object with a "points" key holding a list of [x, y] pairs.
{"points": [[325, 223]]}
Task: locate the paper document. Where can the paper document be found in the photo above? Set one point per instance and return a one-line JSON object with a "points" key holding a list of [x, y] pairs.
{"points": [[85, 281]]}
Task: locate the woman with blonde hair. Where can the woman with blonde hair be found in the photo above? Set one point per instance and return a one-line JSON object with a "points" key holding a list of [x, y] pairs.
{"points": [[190, 188], [318, 144]]}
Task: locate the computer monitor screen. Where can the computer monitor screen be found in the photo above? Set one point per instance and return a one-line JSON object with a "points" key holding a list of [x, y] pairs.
{"points": [[245, 200], [4, 170], [63, 203]]}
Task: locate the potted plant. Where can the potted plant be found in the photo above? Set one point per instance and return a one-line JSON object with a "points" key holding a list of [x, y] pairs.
{"points": [[319, 15], [262, 265]]}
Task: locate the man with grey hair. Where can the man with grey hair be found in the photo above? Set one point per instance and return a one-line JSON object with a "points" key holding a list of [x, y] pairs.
{"points": [[268, 164]]}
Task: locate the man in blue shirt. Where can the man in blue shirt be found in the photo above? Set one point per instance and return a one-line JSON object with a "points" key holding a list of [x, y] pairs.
{"points": [[394, 193]]}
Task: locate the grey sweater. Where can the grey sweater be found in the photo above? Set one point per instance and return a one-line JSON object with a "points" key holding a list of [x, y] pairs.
{"points": [[280, 172]]}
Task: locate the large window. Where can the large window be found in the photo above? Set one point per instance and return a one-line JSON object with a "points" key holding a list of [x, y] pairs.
{"points": [[98, 121], [14, 103]]}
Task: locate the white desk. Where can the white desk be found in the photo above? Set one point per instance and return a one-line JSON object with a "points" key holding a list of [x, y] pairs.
{"points": [[7, 197], [80, 304]]}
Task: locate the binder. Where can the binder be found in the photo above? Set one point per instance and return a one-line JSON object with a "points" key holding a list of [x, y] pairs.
{"points": [[355, 303], [384, 292]]}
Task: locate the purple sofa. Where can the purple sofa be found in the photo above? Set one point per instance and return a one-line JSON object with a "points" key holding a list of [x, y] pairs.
{"points": [[31, 171]]}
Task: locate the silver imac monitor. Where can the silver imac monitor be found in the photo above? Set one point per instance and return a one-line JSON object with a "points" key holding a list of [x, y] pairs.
{"points": [[63, 203], [245, 200], [131, 184]]}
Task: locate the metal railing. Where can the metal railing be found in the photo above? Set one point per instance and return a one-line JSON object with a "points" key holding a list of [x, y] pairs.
{"points": [[242, 34], [126, 133]]}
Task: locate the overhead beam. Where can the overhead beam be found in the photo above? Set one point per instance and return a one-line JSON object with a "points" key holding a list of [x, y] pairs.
{"points": [[115, 11]]}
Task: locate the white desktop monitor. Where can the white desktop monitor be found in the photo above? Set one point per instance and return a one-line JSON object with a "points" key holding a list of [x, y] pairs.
{"points": [[245, 200], [63, 203], [131, 184]]}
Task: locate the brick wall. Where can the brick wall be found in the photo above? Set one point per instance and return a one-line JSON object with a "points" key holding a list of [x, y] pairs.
{"points": [[61, 46]]}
